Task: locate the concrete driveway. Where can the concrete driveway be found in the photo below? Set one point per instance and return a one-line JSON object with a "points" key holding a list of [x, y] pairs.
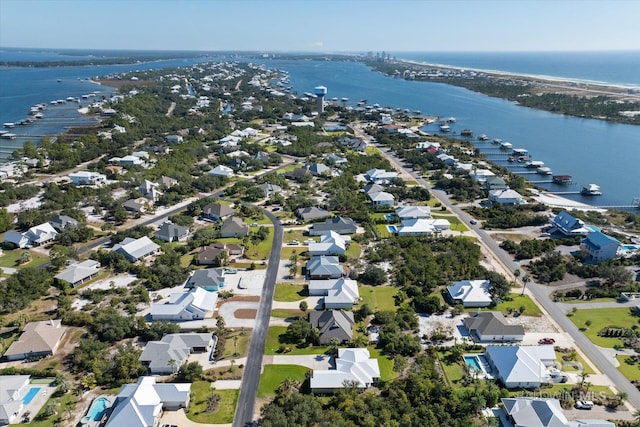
{"points": [[311, 361]]}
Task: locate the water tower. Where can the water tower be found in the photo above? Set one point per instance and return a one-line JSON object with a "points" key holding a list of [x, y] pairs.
{"points": [[320, 92]]}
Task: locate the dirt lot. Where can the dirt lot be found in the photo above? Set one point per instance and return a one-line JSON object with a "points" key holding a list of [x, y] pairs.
{"points": [[245, 313]]}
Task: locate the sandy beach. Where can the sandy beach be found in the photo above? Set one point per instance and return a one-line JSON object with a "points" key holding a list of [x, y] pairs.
{"points": [[555, 201]]}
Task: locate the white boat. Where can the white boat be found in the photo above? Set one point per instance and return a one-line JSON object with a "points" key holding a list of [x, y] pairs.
{"points": [[483, 137], [534, 164], [38, 116], [9, 125], [451, 119], [591, 190], [445, 128], [544, 171]]}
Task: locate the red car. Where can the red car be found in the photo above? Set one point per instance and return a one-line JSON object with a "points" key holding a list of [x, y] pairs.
{"points": [[547, 341]]}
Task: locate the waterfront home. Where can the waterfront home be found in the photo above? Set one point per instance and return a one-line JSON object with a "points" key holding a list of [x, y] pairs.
{"points": [[568, 225], [166, 356], [324, 267], [195, 304], [506, 197], [331, 243], [35, 236], [425, 145], [234, 227], [341, 225], [521, 366], [136, 249], [210, 279], [12, 391], [63, 222], [447, 159], [79, 273], [543, 412], [38, 339], [338, 293], [170, 232], [413, 212], [492, 326], [312, 213], [600, 247], [141, 404], [481, 175], [470, 293], [216, 211], [353, 368], [87, 178], [495, 183], [222, 171], [332, 325]]}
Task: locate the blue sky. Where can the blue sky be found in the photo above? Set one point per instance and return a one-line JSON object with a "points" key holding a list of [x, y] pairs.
{"points": [[322, 26]]}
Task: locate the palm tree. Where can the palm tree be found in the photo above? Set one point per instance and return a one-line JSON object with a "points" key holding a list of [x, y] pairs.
{"points": [[636, 415], [516, 274], [583, 377], [525, 279], [173, 362]]}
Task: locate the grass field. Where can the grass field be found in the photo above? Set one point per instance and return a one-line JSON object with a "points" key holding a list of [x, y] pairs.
{"points": [[383, 231], [298, 235], [10, 259], [602, 318], [378, 297], [456, 225], [289, 292], [285, 313], [302, 252], [353, 251], [631, 372], [273, 375], [385, 363], [273, 343], [200, 392], [530, 307], [242, 345]]}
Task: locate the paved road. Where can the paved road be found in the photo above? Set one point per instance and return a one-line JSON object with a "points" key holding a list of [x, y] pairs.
{"points": [[253, 367], [540, 292]]}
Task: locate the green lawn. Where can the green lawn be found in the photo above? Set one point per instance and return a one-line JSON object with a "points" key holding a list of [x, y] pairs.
{"points": [[273, 343], [200, 392], [566, 367], [383, 231], [241, 346], [631, 372], [11, 257], [262, 250], [530, 307], [602, 318], [378, 297], [273, 375], [385, 363], [287, 251], [298, 235], [456, 225], [285, 313], [582, 301], [289, 292], [64, 404], [371, 150], [353, 251]]}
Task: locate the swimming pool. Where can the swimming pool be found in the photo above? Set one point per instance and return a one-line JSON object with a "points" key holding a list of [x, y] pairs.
{"points": [[390, 217], [472, 362], [392, 228], [592, 228], [30, 395], [630, 247], [97, 410]]}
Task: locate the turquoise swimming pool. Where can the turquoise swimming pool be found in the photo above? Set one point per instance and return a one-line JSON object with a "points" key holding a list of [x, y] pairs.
{"points": [[392, 228], [97, 410], [30, 395], [472, 362]]}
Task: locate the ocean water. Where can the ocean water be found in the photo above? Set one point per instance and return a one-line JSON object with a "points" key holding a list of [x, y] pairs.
{"points": [[591, 151]]}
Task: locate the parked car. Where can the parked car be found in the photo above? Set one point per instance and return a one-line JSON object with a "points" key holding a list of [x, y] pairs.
{"points": [[547, 341], [584, 404], [473, 222]]}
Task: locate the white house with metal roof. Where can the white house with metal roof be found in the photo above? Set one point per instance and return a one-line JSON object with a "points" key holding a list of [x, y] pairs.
{"points": [[12, 390], [87, 178], [506, 197], [166, 356], [543, 412], [353, 366], [338, 293], [471, 293], [413, 212], [78, 273], [135, 249], [331, 243], [35, 236], [420, 226], [521, 366], [196, 304]]}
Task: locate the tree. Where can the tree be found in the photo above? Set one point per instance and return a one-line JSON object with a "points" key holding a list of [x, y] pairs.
{"points": [[303, 306], [189, 372], [6, 220], [373, 275], [525, 279], [172, 363]]}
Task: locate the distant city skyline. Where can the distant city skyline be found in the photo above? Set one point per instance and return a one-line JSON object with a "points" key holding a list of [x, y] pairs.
{"points": [[322, 26]]}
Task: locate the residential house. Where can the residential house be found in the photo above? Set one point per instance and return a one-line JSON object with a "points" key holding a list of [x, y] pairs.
{"points": [[139, 205], [129, 160], [332, 325], [470, 293], [495, 183], [170, 232], [136, 249], [221, 170], [354, 144], [481, 175], [312, 213], [167, 182], [492, 326], [210, 255], [324, 267], [338, 293], [331, 243], [425, 145], [521, 366], [543, 412], [600, 247], [195, 304], [334, 159], [63, 222], [35, 236], [380, 176], [354, 367], [150, 190], [38, 339], [413, 212], [447, 159], [270, 189], [568, 225], [372, 187], [298, 174], [381, 198], [173, 139], [506, 197], [166, 356], [340, 225], [12, 391], [210, 279], [142, 404], [87, 178], [79, 273], [317, 169], [420, 226], [234, 227], [216, 211]]}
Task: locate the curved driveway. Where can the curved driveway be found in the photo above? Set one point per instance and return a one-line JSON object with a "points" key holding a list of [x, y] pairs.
{"points": [[540, 292]]}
